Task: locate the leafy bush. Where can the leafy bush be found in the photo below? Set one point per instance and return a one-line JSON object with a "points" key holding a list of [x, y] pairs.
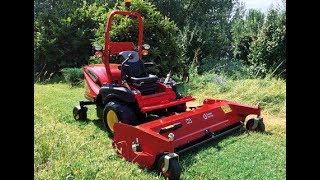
{"points": [[244, 31], [189, 41], [74, 76], [63, 33]]}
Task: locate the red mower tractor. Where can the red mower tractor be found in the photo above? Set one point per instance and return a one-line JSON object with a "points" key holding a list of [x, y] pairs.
{"points": [[145, 115]]}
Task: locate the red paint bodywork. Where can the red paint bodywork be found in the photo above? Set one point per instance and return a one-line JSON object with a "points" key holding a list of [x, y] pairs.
{"points": [[152, 143], [108, 72], [100, 71]]}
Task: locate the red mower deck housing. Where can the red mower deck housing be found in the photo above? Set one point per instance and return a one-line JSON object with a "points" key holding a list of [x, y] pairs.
{"points": [[201, 122]]}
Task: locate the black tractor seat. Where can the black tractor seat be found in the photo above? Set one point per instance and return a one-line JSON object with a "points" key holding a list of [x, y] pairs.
{"points": [[138, 77], [148, 79]]}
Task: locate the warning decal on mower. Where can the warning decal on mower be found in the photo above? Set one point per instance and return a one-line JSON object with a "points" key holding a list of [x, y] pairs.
{"points": [[226, 109]]}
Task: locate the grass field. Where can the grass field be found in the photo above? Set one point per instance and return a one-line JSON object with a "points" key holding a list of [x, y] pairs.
{"points": [[67, 149]]}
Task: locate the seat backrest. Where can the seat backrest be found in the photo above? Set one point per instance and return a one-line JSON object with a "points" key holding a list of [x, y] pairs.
{"points": [[136, 66]]}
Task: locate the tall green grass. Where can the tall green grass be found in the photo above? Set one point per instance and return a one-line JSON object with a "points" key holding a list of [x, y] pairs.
{"points": [[235, 81], [269, 92]]}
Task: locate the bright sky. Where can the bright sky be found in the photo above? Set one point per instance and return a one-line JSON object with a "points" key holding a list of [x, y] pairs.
{"points": [[263, 5]]}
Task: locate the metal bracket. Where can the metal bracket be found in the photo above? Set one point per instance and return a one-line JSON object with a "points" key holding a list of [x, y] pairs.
{"points": [[167, 160], [259, 105], [84, 103], [136, 146], [256, 122]]}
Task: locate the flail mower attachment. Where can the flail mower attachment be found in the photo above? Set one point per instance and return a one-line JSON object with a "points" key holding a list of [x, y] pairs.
{"points": [[159, 142]]}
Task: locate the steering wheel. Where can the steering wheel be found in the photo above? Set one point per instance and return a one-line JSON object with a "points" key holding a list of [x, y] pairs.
{"points": [[124, 77]]}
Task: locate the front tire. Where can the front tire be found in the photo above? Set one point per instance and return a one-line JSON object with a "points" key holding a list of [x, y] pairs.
{"points": [[117, 112]]}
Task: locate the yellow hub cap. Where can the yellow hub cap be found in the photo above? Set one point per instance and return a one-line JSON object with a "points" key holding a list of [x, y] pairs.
{"points": [[112, 118]]}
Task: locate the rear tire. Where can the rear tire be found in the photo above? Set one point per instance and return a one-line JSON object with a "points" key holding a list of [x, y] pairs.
{"points": [[117, 112], [174, 170]]}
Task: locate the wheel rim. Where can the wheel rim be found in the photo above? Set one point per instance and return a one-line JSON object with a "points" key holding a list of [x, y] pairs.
{"points": [[112, 118]]}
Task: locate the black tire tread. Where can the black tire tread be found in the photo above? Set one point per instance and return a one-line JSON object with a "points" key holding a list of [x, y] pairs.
{"points": [[125, 114]]}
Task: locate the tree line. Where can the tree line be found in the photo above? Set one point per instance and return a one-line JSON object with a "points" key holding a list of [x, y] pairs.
{"points": [[181, 33]]}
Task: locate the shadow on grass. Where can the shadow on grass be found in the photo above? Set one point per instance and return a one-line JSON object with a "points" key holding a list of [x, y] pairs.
{"points": [[100, 124], [97, 122], [188, 158]]}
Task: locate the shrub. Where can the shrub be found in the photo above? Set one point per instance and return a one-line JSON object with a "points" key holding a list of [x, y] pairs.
{"points": [[74, 76], [62, 35]]}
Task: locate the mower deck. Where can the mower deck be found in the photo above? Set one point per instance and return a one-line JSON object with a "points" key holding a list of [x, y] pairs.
{"points": [[143, 143]]}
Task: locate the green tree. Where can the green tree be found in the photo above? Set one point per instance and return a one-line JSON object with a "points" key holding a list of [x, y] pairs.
{"points": [[244, 31], [63, 33], [205, 27], [268, 51], [174, 9]]}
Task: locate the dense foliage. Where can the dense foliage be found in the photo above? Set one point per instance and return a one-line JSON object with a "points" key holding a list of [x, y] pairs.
{"points": [[204, 27], [261, 42], [62, 35], [180, 32], [269, 49]]}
